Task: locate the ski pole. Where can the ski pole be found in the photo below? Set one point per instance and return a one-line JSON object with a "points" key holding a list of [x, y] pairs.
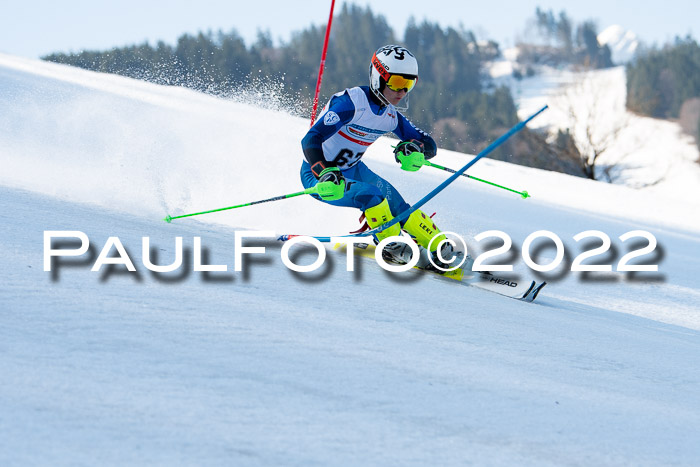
{"points": [[308, 191], [524, 194]]}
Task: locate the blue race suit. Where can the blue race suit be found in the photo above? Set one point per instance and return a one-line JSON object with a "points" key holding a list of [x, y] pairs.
{"points": [[351, 121]]}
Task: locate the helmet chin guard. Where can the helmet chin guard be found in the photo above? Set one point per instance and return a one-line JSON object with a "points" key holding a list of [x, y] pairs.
{"points": [[391, 60]]}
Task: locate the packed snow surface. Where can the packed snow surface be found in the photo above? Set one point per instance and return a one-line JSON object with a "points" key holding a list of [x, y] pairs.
{"points": [[265, 366]]}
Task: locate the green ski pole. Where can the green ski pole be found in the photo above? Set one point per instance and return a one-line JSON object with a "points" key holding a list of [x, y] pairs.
{"points": [[524, 194], [308, 191]]}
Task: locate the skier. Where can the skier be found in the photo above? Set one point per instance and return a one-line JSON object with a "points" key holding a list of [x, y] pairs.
{"points": [[350, 122]]}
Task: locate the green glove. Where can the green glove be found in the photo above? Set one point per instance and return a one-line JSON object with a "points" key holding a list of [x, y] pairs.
{"points": [[410, 155], [331, 184]]}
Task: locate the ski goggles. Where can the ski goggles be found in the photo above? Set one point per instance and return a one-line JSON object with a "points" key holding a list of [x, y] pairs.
{"points": [[397, 83]]}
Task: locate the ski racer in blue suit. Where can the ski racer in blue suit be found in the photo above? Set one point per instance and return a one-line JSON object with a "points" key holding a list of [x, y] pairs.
{"points": [[351, 121], [364, 188]]}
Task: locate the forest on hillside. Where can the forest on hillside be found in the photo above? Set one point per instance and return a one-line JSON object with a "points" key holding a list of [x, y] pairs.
{"points": [[453, 100], [665, 83], [220, 63]]}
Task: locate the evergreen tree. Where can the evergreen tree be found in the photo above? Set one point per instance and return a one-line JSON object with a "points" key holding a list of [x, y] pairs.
{"points": [[561, 45], [593, 54], [662, 79], [564, 30], [546, 24], [357, 33]]}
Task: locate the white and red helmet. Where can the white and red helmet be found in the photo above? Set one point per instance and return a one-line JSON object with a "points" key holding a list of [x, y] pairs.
{"points": [[393, 66]]}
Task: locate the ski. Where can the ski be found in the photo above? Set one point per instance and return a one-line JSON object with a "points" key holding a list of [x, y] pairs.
{"points": [[523, 290], [532, 294]]}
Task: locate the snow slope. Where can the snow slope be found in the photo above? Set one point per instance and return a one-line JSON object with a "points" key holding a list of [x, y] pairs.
{"points": [[265, 366]]}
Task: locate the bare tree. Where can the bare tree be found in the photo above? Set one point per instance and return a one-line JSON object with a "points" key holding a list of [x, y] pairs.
{"points": [[593, 107]]}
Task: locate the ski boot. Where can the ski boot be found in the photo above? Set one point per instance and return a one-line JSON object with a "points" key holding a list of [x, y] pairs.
{"points": [[393, 252], [424, 231]]}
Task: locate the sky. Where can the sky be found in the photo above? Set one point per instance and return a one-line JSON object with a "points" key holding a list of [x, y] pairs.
{"points": [[33, 28]]}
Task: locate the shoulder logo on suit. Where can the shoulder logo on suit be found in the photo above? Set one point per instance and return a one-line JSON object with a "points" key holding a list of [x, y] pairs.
{"points": [[331, 118]]}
